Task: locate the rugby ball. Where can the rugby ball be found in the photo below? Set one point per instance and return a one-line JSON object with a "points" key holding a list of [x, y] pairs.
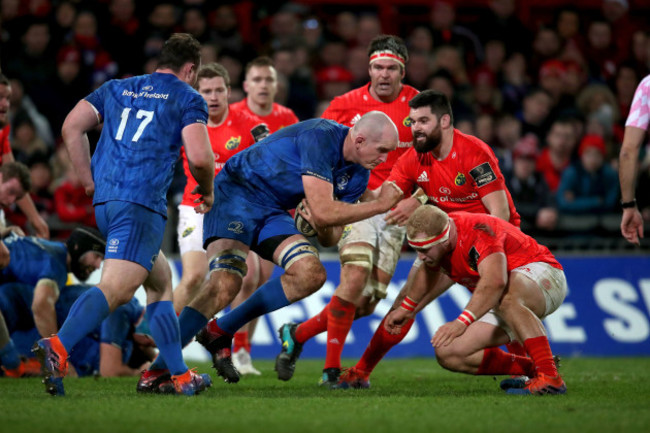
{"points": [[301, 224]]}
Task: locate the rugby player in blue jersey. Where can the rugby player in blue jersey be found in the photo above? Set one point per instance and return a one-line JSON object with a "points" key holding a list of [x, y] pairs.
{"points": [[146, 119], [324, 165]]}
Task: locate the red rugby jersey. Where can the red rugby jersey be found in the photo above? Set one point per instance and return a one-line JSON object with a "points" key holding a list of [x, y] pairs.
{"points": [[349, 107], [480, 235], [280, 116], [458, 182], [235, 134], [5, 146]]}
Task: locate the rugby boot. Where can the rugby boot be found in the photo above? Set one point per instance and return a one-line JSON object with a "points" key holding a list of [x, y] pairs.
{"points": [[541, 385], [520, 381], [158, 381], [190, 383], [353, 378], [54, 363], [219, 347], [285, 362], [243, 363]]}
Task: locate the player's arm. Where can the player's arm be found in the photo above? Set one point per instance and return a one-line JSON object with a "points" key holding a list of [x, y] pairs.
{"points": [[405, 208], [425, 286], [496, 203], [327, 212], [493, 271], [79, 121], [46, 294], [111, 365], [201, 162], [632, 222]]}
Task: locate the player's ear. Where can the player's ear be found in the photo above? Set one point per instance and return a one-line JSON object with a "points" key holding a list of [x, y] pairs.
{"points": [[445, 121]]}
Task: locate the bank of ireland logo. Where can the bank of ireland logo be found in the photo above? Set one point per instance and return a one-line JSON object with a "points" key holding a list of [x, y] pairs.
{"points": [[236, 227], [147, 88], [407, 121], [460, 179], [444, 190], [112, 245], [233, 143]]}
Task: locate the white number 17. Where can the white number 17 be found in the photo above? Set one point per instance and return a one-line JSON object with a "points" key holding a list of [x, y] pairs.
{"points": [[148, 117]]}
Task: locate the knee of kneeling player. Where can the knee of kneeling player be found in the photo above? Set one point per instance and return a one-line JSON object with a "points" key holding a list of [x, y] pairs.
{"points": [[449, 358]]}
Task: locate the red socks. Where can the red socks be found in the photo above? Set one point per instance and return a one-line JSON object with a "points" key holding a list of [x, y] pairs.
{"points": [[379, 346], [540, 351], [313, 326], [241, 341], [339, 322], [516, 348], [496, 361]]}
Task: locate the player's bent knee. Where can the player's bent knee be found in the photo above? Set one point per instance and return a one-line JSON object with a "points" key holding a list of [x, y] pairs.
{"points": [[232, 261], [295, 252]]}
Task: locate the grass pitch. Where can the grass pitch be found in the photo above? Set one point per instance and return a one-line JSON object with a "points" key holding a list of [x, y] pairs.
{"points": [[604, 395]]}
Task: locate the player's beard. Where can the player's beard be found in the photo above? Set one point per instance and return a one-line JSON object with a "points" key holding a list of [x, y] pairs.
{"points": [[432, 140]]}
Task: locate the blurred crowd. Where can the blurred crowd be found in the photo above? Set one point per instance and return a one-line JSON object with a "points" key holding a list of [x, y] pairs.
{"points": [[550, 95]]}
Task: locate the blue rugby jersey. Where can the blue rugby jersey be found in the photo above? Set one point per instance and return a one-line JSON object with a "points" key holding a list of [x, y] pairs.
{"points": [[141, 138]]}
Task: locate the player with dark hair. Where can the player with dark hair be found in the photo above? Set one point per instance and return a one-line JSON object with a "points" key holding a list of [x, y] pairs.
{"points": [[457, 172], [43, 266], [515, 283], [146, 119], [369, 249], [319, 163]]}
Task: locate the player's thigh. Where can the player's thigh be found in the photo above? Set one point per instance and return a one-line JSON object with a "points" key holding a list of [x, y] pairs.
{"points": [[539, 286], [478, 336]]}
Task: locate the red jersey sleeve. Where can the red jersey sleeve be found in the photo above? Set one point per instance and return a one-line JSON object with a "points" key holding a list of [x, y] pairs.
{"points": [[402, 172], [5, 146]]}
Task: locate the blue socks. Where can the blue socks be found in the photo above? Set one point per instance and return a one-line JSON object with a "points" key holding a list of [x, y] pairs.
{"points": [[86, 314], [165, 331], [191, 322], [9, 357], [269, 297]]}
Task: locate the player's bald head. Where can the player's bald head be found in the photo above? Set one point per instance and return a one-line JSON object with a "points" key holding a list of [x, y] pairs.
{"points": [[376, 126]]}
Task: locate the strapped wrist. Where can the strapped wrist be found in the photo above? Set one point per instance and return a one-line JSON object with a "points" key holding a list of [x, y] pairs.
{"points": [[466, 317], [409, 304]]}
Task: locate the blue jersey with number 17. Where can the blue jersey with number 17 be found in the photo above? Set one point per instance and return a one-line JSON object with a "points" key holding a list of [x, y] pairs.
{"points": [[141, 137]]}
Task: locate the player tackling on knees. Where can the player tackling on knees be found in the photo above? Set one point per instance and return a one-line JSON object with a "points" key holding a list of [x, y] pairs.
{"points": [[515, 282]]}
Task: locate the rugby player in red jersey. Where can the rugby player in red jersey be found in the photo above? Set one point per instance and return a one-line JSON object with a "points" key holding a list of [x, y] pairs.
{"points": [[369, 249], [515, 282], [457, 172]]}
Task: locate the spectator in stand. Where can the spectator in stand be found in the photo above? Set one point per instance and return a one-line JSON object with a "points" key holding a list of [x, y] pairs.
{"points": [[420, 40], [62, 22], [25, 142], [507, 134], [225, 32], [357, 64], [567, 25], [62, 92], [640, 52], [71, 202], [333, 81], [368, 28], [487, 98], [22, 103], [445, 31], [622, 24], [495, 56], [442, 81], [302, 93], [419, 69], [163, 20], [124, 29], [40, 172], [333, 53], [34, 63], [515, 82], [345, 26], [589, 186], [625, 86], [500, 21], [530, 193], [284, 29], [546, 46], [195, 23], [601, 51], [534, 115], [448, 57], [97, 66], [556, 155]]}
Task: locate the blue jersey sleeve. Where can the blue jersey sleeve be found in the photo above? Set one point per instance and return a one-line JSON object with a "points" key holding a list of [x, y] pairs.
{"points": [[96, 99], [196, 112]]}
